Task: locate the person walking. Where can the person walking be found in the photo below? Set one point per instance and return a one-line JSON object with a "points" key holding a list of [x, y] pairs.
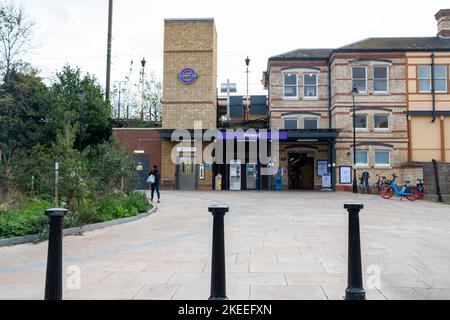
{"points": [[154, 178]]}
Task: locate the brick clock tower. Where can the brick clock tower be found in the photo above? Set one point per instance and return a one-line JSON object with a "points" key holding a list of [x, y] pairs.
{"points": [[190, 94]]}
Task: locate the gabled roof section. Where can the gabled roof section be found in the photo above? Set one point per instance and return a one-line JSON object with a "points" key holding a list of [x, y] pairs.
{"points": [[303, 54], [399, 44]]}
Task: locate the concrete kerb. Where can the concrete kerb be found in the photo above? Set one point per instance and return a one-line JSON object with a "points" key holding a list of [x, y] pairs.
{"points": [[78, 230]]}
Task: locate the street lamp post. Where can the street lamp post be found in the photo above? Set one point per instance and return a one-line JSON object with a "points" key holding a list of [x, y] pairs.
{"points": [[120, 93], [247, 62], [355, 181], [108, 54], [143, 62]]}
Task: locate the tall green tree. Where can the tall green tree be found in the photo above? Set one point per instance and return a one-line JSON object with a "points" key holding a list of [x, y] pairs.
{"points": [[23, 110], [77, 99], [23, 123]]}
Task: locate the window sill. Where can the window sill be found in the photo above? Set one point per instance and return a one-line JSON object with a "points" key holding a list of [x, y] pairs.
{"points": [[381, 93], [311, 98], [382, 131], [290, 99], [363, 166], [383, 167], [362, 130]]}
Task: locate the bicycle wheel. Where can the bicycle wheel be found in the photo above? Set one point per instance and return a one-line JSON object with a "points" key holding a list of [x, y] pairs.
{"points": [[375, 189], [387, 192], [421, 194], [415, 195]]}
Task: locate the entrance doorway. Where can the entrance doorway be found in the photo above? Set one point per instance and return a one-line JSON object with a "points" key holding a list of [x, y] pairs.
{"points": [[142, 170], [301, 172], [186, 172]]}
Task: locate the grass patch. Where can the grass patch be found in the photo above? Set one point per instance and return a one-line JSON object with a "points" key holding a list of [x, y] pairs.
{"points": [[28, 218]]}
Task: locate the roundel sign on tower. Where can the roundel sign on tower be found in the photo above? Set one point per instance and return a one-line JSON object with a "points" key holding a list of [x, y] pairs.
{"points": [[188, 76]]}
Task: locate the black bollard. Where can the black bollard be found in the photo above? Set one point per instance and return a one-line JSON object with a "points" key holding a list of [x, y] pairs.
{"points": [[218, 279], [355, 290], [53, 283]]}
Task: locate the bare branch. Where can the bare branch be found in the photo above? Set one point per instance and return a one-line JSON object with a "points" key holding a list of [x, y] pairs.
{"points": [[16, 33]]}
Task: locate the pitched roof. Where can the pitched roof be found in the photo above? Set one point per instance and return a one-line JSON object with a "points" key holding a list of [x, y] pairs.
{"points": [[303, 54], [423, 43], [385, 44]]}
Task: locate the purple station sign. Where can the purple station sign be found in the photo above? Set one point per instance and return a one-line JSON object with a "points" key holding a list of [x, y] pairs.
{"points": [[263, 135]]}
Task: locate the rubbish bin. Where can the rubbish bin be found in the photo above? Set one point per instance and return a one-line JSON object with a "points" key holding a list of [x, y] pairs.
{"points": [[219, 182]]}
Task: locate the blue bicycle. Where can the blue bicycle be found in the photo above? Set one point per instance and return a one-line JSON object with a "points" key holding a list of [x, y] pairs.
{"points": [[388, 191]]}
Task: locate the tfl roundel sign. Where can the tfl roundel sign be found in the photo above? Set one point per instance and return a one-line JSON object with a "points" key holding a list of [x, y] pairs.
{"points": [[188, 76]]}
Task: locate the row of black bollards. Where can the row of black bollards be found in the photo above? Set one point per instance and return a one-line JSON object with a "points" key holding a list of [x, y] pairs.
{"points": [[354, 291]]}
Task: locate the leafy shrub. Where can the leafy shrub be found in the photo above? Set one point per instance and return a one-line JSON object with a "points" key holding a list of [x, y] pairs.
{"points": [[28, 218], [116, 207], [139, 201]]}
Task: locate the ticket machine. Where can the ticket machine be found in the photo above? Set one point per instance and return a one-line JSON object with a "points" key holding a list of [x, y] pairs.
{"points": [[252, 176], [235, 175]]}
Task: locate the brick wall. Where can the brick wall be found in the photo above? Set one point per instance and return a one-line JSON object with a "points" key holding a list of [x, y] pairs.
{"points": [[430, 180], [147, 140]]}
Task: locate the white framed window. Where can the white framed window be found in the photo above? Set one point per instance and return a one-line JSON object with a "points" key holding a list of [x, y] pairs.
{"points": [[381, 79], [382, 158], [440, 79], [290, 124], [424, 78], [310, 86], [381, 122], [362, 158], [311, 124], [359, 79], [361, 123], [290, 84]]}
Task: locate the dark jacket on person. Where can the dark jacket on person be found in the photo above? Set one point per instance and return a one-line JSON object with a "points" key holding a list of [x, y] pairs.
{"points": [[157, 176]]}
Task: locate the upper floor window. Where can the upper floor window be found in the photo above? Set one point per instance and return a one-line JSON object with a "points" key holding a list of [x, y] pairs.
{"points": [[381, 122], [290, 85], [424, 79], [440, 78], [311, 124], [310, 85], [359, 77], [361, 123], [290, 124], [381, 79]]}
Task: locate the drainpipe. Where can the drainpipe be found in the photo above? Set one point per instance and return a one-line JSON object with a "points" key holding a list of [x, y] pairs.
{"points": [[433, 89], [438, 186], [329, 95]]}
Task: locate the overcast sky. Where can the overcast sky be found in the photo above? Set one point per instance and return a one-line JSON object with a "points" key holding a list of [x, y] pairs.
{"points": [[75, 31]]}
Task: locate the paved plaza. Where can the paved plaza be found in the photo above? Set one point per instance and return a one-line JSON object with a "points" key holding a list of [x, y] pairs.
{"points": [[285, 245]]}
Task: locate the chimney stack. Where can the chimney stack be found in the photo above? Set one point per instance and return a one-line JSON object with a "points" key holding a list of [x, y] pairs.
{"points": [[443, 21]]}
